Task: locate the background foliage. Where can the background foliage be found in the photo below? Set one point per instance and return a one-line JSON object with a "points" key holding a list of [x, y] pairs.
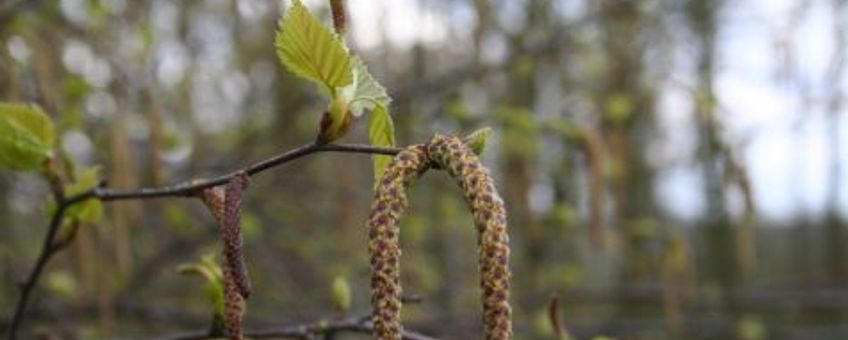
{"points": [[597, 107]]}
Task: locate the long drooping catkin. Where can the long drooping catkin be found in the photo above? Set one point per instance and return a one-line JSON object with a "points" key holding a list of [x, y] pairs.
{"points": [[225, 205], [490, 219], [390, 202]]}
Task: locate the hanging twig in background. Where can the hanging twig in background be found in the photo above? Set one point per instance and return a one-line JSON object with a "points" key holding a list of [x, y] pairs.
{"points": [[555, 318]]}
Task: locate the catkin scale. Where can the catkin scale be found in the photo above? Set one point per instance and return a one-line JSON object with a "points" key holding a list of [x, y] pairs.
{"points": [[390, 202]]}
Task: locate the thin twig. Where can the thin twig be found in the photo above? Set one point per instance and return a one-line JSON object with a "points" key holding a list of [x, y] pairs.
{"points": [[50, 247], [190, 188], [305, 331]]}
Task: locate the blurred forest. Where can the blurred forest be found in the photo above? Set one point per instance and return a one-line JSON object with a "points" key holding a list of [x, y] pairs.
{"points": [[643, 149]]}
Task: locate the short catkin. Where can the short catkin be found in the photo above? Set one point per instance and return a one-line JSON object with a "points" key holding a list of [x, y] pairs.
{"points": [[390, 201], [225, 204]]}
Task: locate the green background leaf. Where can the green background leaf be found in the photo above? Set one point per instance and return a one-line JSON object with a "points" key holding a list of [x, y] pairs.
{"points": [[341, 293], [208, 269], [310, 50], [26, 137]]}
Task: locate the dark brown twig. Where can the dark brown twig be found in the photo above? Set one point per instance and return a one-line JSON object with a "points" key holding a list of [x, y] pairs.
{"points": [[190, 188], [48, 249]]}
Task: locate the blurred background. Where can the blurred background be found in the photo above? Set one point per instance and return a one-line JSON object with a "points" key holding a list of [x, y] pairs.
{"points": [[672, 169]]}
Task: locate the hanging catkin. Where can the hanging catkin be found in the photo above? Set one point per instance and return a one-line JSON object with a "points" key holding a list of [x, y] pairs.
{"points": [[231, 232], [490, 219], [390, 202], [225, 204]]}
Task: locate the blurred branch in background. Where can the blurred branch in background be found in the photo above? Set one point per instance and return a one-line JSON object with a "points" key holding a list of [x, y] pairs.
{"points": [[326, 328], [8, 8], [703, 138]]}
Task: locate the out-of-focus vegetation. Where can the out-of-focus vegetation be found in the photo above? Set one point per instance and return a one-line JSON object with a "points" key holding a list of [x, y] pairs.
{"points": [[577, 94]]}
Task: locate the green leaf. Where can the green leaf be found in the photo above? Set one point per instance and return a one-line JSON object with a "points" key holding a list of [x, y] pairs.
{"points": [[90, 210], [209, 270], [619, 108], [19, 150], [32, 118], [365, 93], [62, 283], [310, 50], [477, 139], [26, 137], [341, 293], [381, 132]]}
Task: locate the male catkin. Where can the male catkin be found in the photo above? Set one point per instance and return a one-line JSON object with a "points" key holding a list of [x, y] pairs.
{"points": [[231, 232], [390, 201], [489, 215], [225, 204]]}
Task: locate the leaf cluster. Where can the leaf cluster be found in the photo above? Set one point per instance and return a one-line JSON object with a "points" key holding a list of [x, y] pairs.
{"points": [[312, 51]]}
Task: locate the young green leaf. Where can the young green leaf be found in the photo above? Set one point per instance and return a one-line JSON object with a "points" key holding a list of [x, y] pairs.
{"points": [[90, 210], [26, 137], [211, 272], [19, 150], [365, 92], [381, 132], [310, 50], [341, 294], [32, 118], [477, 140]]}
